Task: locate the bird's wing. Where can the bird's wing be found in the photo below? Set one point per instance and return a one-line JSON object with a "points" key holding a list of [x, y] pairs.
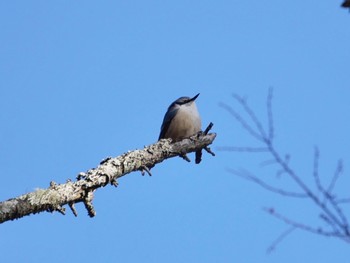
{"points": [[169, 116]]}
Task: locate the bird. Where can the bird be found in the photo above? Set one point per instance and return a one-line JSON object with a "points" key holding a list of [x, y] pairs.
{"points": [[181, 121]]}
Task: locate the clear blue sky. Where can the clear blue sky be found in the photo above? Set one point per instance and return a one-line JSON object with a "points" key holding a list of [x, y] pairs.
{"points": [[83, 80]]}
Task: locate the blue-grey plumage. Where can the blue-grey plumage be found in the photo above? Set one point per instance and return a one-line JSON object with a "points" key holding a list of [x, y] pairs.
{"points": [[181, 120]]}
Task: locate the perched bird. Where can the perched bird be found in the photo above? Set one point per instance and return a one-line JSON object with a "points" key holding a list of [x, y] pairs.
{"points": [[181, 121]]}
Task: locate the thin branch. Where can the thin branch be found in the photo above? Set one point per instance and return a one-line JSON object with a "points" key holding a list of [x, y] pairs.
{"points": [[267, 163], [315, 171], [345, 224], [269, 114], [330, 210], [337, 173], [279, 239], [208, 150], [328, 197], [208, 128], [252, 115], [291, 173], [243, 149], [330, 223], [342, 200], [239, 118], [246, 175], [288, 221], [304, 187]]}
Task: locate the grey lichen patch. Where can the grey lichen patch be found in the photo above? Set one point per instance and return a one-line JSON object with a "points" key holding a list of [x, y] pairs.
{"points": [[44, 197], [115, 162], [127, 165], [163, 144], [135, 159], [108, 170]]}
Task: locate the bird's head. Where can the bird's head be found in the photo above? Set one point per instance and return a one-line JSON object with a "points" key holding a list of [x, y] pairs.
{"points": [[186, 100]]}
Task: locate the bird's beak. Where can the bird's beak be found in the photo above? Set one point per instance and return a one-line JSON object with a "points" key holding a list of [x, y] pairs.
{"points": [[195, 97]]}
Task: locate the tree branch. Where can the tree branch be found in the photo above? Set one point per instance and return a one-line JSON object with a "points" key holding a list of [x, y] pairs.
{"points": [[250, 177], [109, 170], [322, 198]]}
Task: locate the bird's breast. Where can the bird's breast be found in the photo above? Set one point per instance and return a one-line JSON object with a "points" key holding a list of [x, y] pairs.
{"points": [[185, 123]]}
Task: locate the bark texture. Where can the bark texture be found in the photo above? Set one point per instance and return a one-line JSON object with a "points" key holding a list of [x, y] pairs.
{"points": [[109, 170]]}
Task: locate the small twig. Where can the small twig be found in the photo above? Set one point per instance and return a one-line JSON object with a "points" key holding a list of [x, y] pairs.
{"points": [[81, 176], [269, 114], [208, 150], [145, 168], [252, 115], [268, 162], [315, 172], [208, 128], [329, 206], [246, 175], [342, 200], [72, 207], [60, 209], [105, 160], [302, 226], [114, 182], [345, 224], [304, 187], [239, 118], [337, 173], [243, 149], [279, 239], [185, 157], [198, 156], [88, 203], [329, 222]]}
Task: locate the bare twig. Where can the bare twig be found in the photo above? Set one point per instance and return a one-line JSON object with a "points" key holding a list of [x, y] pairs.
{"points": [[269, 114], [337, 173], [72, 207], [208, 150], [243, 149], [323, 198], [302, 226], [279, 239], [208, 128], [239, 118], [315, 171], [341, 215], [252, 116], [246, 175], [342, 200], [145, 169]]}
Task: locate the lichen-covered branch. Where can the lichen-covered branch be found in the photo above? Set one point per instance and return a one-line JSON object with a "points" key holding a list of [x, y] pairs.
{"points": [[57, 196]]}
